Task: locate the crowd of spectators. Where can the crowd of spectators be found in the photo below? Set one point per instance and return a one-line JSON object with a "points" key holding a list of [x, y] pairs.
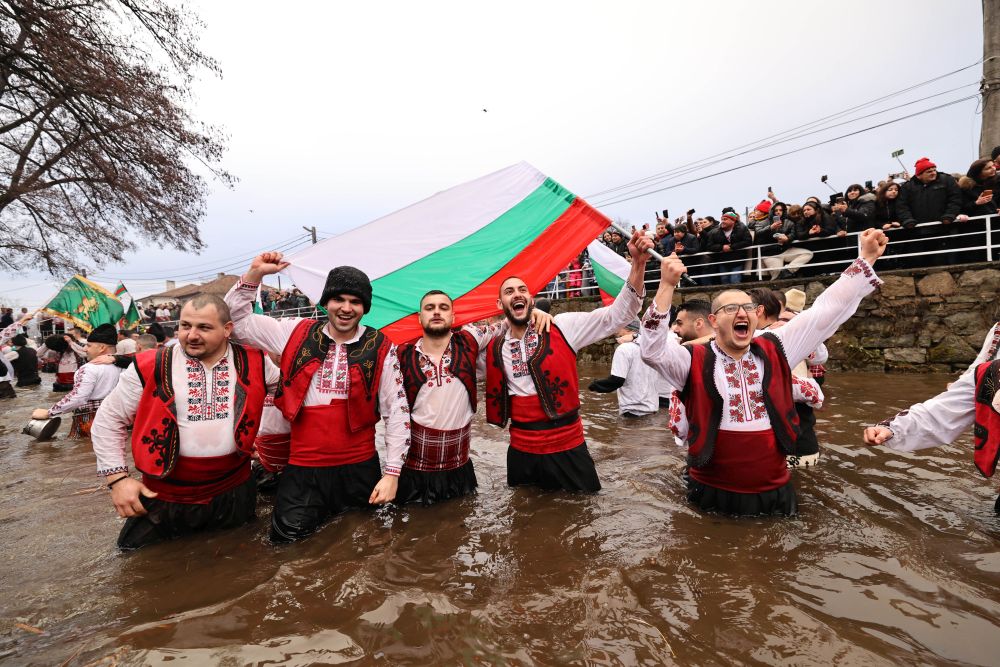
{"points": [[813, 237]]}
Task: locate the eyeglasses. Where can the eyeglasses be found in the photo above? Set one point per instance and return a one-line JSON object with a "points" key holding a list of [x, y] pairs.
{"points": [[733, 308]]}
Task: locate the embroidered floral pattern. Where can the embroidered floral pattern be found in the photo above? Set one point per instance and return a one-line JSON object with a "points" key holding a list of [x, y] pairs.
{"points": [[334, 377], [519, 361], [208, 397], [744, 393]]}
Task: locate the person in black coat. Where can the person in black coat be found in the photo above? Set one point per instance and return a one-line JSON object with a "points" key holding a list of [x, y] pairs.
{"points": [[978, 187], [884, 213], [683, 242], [25, 363], [729, 241], [929, 196], [860, 208]]}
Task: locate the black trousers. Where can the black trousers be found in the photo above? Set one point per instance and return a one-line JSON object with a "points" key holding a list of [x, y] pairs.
{"points": [[166, 521], [571, 470], [308, 496]]}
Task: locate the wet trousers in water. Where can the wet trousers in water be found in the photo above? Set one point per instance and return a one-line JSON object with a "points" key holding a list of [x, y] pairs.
{"points": [[168, 520], [309, 495], [570, 470]]}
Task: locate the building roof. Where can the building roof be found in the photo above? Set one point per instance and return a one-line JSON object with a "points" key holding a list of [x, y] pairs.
{"points": [[220, 286]]}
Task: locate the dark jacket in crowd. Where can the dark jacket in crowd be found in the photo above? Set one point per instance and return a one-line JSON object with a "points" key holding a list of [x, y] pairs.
{"points": [[828, 226], [6, 320], [620, 248], [769, 245], [26, 367], [970, 193], [738, 239], [704, 236], [941, 199], [690, 243], [860, 213], [885, 213]]}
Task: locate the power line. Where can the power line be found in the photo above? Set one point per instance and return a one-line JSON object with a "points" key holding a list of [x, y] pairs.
{"points": [[655, 181], [209, 267], [779, 134], [796, 150]]}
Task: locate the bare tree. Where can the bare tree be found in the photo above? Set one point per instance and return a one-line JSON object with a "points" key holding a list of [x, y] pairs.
{"points": [[97, 149]]}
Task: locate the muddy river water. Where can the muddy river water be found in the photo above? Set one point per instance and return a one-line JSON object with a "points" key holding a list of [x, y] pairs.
{"points": [[893, 559]]}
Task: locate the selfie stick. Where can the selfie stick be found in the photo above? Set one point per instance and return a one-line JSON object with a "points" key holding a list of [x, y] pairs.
{"points": [[627, 235]]}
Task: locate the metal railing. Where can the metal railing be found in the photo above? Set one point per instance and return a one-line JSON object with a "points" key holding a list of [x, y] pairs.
{"points": [[931, 244]]}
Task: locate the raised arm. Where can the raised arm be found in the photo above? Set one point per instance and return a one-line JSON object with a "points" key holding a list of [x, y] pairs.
{"points": [[83, 388], [836, 304], [260, 331], [658, 346], [582, 329]]}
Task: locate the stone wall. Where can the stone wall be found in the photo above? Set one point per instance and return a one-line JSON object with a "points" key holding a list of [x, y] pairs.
{"points": [[921, 321]]}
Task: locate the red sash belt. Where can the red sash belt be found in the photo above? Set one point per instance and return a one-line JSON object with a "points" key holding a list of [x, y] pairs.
{"points": [[195, 480], [433, 450], [744, 462], [321, 436], [273, 450], [539, 439], [65, 378]]}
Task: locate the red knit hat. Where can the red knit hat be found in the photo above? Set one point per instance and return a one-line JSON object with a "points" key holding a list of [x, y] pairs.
{"points": [[923, 164], [764, 206]]}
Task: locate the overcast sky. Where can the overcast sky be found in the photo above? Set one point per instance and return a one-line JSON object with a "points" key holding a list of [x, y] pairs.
{"points": [[338, 113]]}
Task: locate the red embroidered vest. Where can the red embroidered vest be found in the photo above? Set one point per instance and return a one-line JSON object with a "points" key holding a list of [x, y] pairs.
{"points": [[549, 421], [155, 435], [464, 351], [304, 354], [986, 429], [703, 403]]}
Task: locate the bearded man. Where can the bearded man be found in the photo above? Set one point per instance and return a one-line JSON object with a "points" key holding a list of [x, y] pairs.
{"points": [[439, 375], [531, 381], [737, 389], [194, 409]]}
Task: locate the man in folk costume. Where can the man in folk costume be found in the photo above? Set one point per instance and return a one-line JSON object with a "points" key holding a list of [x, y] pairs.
{"points": [[439, 376], [274, 440], [531, 381], [737, 389], [24, 359], [58, 346], [194, 409], [91, 384], [971, 399], [338, 378]]}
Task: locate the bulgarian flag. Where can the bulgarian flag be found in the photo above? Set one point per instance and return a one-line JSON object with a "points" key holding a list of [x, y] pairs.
{"points": [[464, 241], [85, 304], [131, 318], [610, 270]]}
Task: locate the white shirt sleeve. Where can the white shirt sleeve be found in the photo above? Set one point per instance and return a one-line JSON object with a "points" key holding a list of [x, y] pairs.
{"points": [[661, 350], [83, 388], [395, 412], [832, 308], [937, 421], [109, 430], [77, 348], [261, 331], [272, 374], [819, 356], [582, 329], [808, 391], [8, 333]]}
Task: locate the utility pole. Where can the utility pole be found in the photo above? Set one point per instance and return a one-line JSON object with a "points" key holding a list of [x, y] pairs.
{"points": [[312, 230], [989, 135]]}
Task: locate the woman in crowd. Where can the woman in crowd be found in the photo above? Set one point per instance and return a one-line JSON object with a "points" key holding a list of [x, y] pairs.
{"points": [[860, 208], [978, 186], [884, 213]]}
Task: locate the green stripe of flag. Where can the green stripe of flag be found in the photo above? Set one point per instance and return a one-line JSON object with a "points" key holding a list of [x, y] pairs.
{"points": [[472, 260], [609, 282]]}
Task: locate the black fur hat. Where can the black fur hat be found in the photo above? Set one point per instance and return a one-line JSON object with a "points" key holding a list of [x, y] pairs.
{"points": [[20, 340], [56, 343], [103, 333], [347, 280]]}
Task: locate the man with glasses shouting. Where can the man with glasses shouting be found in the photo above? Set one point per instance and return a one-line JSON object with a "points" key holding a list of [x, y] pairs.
{"points": [[737, 389]]}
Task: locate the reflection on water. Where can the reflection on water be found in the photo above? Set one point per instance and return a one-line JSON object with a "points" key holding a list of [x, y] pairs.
{"points": [[893, 559]]}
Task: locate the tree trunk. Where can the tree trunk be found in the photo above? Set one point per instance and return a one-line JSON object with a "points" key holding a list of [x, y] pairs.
{"points": [[990, 134]]}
